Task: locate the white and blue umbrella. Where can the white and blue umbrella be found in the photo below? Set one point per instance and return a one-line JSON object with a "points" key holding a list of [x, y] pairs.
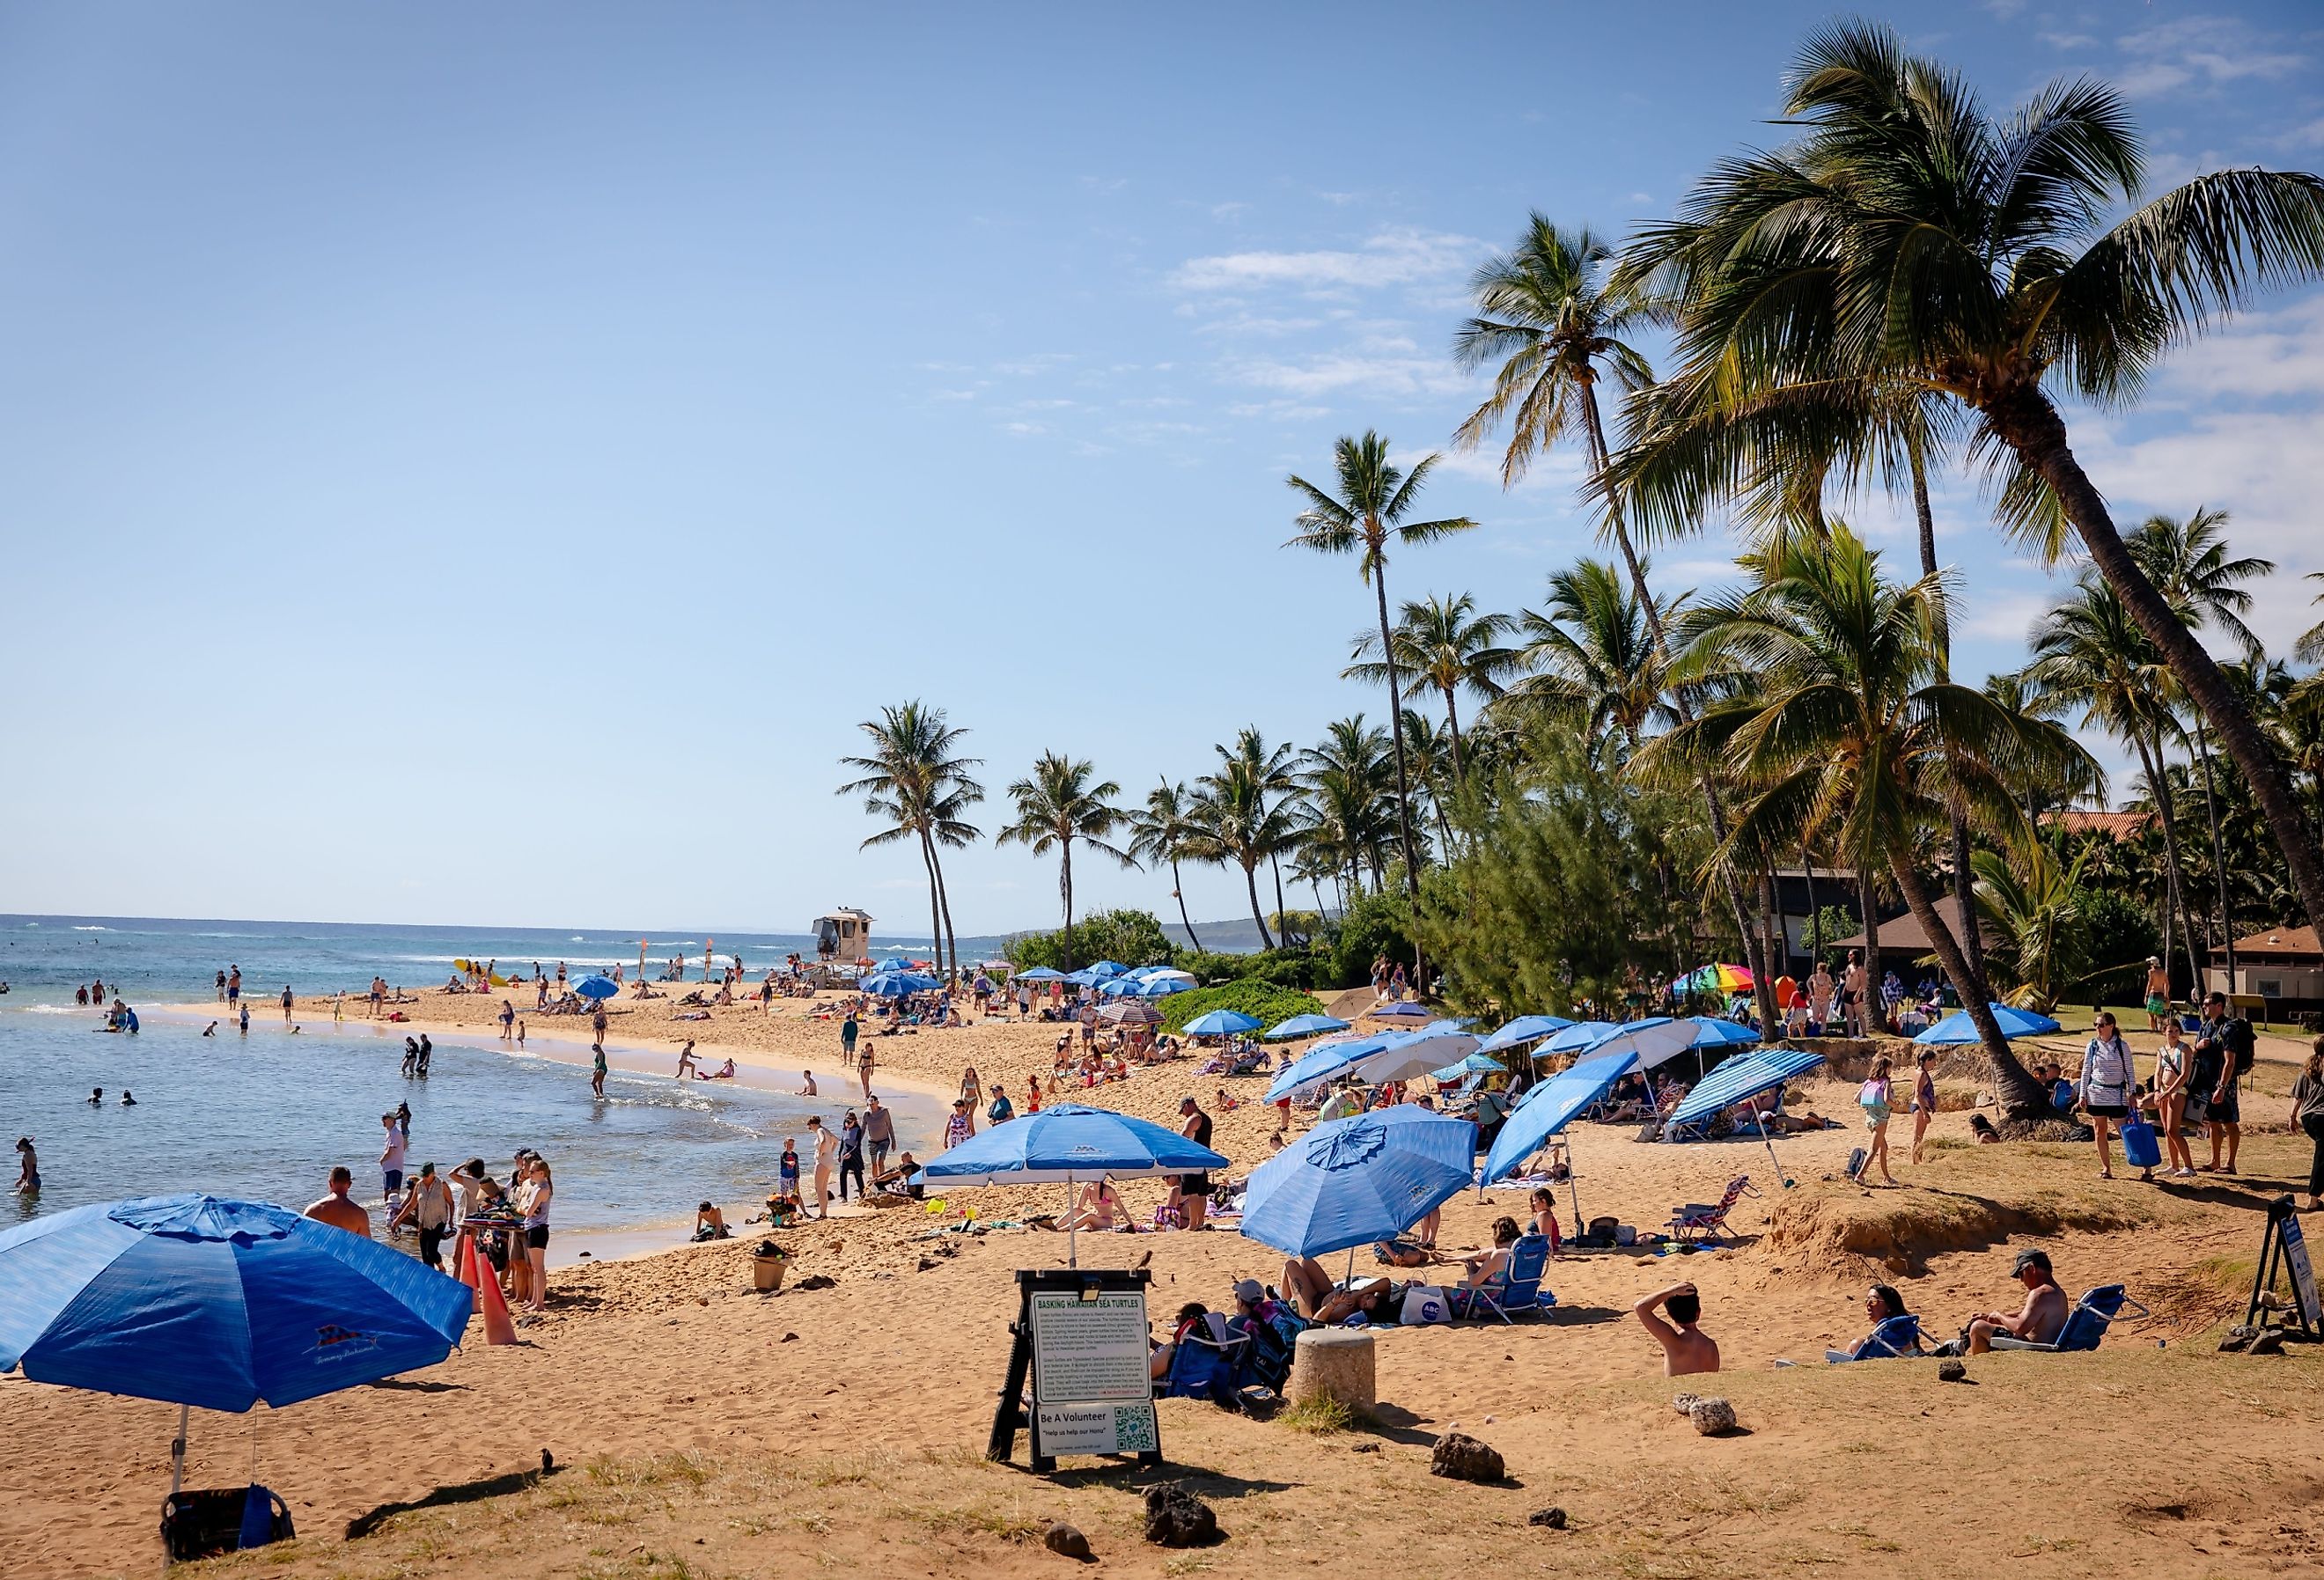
{"points": [[1355, 1180], [1523, 1030], [1570, 1092], [1221, 1023], [1711, 1031], [1162, 987], [1303, 1026], [1107, 968], [1416, 1052], [1324, 1062], [1040, 973], [1655, 1039], [1069, 1143], [1957, 1027], [1582, 1037], [1402, 1010]]}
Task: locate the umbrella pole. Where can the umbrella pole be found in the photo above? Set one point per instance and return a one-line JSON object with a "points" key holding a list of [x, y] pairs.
{"points": [[1073, 1250], [178, 1452], [1572, 1187]]}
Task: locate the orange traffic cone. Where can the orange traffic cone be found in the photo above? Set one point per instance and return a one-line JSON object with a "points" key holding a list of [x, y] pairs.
{"points": [[467, 1272], [498, 1328]]}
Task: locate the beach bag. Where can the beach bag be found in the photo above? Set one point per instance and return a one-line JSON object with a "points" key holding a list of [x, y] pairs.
{"points": [[1857, 1158], [2243, 1043], [2139, 1148], [1425, 1304]]}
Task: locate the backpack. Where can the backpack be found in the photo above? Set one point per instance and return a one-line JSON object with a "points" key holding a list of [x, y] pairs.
{"points": [[2242, 1043]]}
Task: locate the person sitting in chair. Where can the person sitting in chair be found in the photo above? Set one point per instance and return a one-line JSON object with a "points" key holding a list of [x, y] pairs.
{"points": [[1883, 1305], [2039, 1321]]}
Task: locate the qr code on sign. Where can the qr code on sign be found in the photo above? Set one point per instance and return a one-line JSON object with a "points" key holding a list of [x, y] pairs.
{"points": [[1133, 1429]]}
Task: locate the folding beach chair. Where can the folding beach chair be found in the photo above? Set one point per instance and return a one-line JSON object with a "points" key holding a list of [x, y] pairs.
{"points": [[1518, 1288], [1697, 1221], [1272, 1339], [1207, 1363], [205, 1523], [2086, 1324], [1896, 1337]]}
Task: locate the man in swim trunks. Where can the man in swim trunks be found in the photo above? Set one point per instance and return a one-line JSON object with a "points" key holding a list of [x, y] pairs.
{"points": [[338, 1209]]}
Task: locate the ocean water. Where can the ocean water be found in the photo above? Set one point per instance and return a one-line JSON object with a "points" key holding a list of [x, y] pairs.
{"points": [[265, 1115]]}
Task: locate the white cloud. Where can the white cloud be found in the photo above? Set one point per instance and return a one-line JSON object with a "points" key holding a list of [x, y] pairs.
{"points": [[1327, 372], [1024, 430], [2207, 50], [2310, 136], [2262, 356], [2066, 41], [1999, 616], [1105, 186], [1397, 256]]}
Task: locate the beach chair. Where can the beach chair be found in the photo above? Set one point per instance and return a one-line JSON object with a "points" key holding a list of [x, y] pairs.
{"points": [[1272, 1339], [1207, 1363], [1699, 1222], [205, 1523], [2086, 1324], [1896, 1337], [1518, 1288]]}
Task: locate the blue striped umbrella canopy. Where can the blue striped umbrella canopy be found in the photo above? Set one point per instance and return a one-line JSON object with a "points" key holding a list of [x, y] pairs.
{"points": [[1957, 1027], [1162, 987], [1069, 1142], [1477, 1063], [897, 984], [200, 1300], [1551, 1107], [1738, 1080], [1324, 1062], [1523, 1028], [1359, 1179], [1107, 968]]}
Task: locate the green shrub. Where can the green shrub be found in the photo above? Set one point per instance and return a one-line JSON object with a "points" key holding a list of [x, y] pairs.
{"points": [[1131, 937], [1263, 1001], [1376, 924]]}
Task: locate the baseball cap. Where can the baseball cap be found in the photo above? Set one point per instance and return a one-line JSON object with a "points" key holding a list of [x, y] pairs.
{"points": [[1249, 1292], [2031, 1257]]}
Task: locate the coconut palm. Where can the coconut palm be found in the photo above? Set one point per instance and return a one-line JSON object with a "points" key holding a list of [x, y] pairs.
{"points": [[2032, 899], [914, 777], [1165, 830], [1592, 654], [1347, 776], [1909, 240], [1850, 735], [2190, 565], [1271, 769], [1368, 511], [2090, 654], [1445, 643], [1428, 747], [1233, 807], [1057, 804]]}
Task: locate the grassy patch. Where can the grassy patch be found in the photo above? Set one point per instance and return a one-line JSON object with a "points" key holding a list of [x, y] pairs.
{"points": [[1318, 1415]]}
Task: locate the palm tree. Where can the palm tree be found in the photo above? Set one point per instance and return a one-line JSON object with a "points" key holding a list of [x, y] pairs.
{"points": [[1445, 643], [2088, 652], [1369, 509], [1849, 733], [1346, 777], [1428, 748], [913, 778], [1165, 830], [1592, 654], [1232, 807], [1057, 805], [2189, 564], [1909, 240], [1271, 771], [2032, 902]]}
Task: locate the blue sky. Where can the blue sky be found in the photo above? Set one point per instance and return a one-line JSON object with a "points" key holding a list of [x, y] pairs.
{"points": [[478, 464]]}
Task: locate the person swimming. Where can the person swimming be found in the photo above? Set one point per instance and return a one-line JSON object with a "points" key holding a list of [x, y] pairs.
{"points": [[126, 1099], [96, 1097]]}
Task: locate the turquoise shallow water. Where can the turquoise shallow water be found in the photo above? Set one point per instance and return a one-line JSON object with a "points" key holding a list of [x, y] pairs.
{"points": [[265, 1115]]}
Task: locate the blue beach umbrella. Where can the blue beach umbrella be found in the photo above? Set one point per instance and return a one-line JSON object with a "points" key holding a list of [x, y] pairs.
{"points": [[196, 1300], [1115, 987], [1655, 1039], [1303, 1026], [1040, 973], [1957, 1027], [1740, 1080], [1359, 1179], [1324, 1062], [1221, 1023], [1582, 1037], [1161, 987], [1107, 968], [1402, 1010], [1710, 1031], [595, 987], [1568, 1093], [1477, 1063], [1069, 1142], [1523, 1028], [897, 984]]}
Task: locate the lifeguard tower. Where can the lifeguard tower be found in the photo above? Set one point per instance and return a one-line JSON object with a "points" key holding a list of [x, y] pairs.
{"points": [[843, 936]]}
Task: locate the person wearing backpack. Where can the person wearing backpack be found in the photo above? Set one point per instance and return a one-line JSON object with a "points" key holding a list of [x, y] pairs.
{"points": [[2224, 1049]]}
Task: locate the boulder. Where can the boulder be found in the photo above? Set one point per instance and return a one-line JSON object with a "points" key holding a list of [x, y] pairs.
{"points": [[1464, 1459], [1068, 1541], [1176, 1518], [1952, 1372], [1548, 1518], [1712, 1417]]}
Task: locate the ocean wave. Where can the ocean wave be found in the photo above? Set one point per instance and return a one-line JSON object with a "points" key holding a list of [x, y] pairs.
{"points": [[91, 929], [53, 1009]]}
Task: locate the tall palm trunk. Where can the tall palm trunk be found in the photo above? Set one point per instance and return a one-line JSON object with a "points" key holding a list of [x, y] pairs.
{"points": [[2021, 1097], [2174, 883], [1763, 981], [1815, 917], [944, 903], [1403, 774], [1453, 725], [2218, 852], [1973, 945], [2029, 425], [1275, 866], [1867, 905], [1250, 881], [1179, 890], [935, 899], [1066, 893]]}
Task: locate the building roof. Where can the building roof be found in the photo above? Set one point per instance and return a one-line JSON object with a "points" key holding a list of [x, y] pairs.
{"points": [[2285, 943], [2115, 825], [1904, 935]]}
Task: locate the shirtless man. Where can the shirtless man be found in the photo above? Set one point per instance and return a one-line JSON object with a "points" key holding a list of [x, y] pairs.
{"points": [[2042, 1318], [1671, 1316], [338, 1210], [1857, 989]]}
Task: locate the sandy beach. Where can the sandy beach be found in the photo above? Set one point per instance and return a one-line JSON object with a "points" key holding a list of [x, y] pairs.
{"points": [[697, 1428]]}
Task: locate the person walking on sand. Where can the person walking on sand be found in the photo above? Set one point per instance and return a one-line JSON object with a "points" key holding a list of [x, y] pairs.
{"points": [[2228, 1038], [1877, 1098], [1856, 997], [2308, 1119], [1820, 990], [2173, 1064], [1195, 1188], [338, 1209], [851, 1154], [1925, 1097], [597, 1068], [879, 1133], [2109, 1086], [508, 1021], [597, 1021], [686, 1059], [532, 1200], [827, 1158], [1673, 1316], [2158, 994], [850, 1028]]}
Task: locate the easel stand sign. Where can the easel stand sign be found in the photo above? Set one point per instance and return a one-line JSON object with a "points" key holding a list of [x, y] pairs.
{"points": [[1080, 1342], [2281, 1245]]}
